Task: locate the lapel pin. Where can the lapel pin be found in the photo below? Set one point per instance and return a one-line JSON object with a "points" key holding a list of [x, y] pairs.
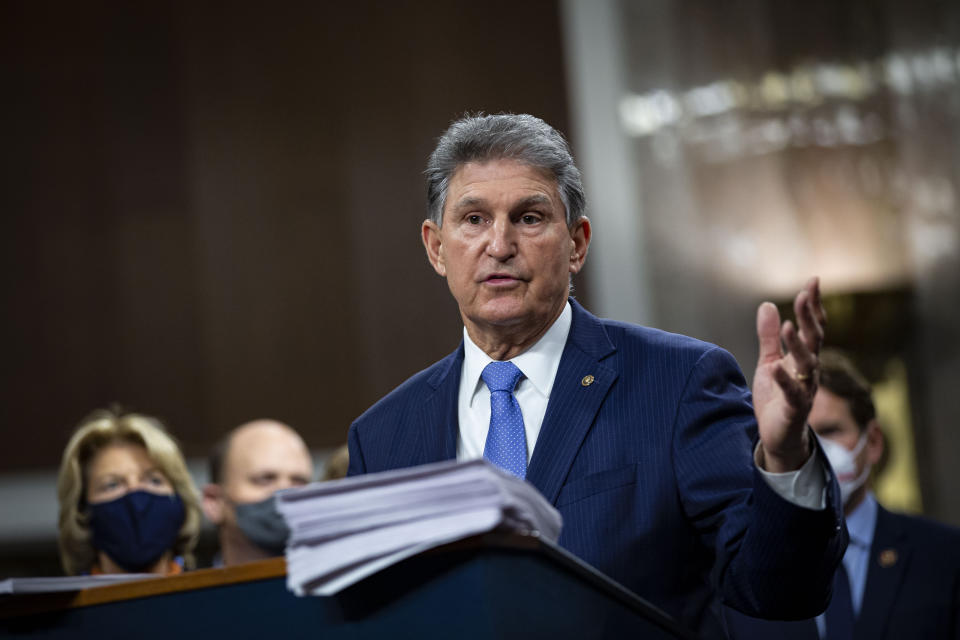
{"points": [[587, 380], [887, 558]]}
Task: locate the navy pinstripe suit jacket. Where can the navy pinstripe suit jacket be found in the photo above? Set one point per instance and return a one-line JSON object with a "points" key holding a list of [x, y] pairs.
{"points": [[651, 467]]}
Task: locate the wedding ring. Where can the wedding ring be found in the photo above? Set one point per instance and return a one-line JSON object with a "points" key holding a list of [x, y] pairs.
{"points": [[801, 377]]}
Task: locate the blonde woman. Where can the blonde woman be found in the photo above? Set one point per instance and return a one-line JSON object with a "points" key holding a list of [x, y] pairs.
{"points": [[127, 503]]}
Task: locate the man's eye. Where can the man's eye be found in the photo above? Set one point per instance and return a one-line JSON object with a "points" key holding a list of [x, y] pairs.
{"points": [[474, 219], [530, 218]]}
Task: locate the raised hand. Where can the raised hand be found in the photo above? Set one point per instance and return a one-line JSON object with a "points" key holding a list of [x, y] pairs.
{"points": [[785, 383]]}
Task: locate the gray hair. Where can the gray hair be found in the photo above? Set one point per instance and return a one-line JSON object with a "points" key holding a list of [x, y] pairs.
{"points": [[520, 137]]}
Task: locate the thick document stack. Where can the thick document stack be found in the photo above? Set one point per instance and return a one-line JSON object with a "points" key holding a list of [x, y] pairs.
{"points": [[345, 530]]}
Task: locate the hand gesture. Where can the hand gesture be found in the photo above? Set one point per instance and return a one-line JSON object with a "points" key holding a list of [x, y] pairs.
{"points": [[785, 383]]}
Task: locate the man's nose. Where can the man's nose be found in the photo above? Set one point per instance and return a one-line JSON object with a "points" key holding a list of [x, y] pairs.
{"points": [[501, 244]]}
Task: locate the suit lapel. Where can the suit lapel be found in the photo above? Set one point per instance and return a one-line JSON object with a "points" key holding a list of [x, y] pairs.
{"points": [[579, 389], [889, 556], [431, 433]]}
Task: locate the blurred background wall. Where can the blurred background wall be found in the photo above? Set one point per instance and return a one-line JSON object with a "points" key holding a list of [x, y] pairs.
{"points": [[211, 210], [769, 141]]}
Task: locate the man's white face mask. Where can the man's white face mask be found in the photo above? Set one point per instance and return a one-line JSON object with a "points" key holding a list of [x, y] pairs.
{"points": [[844, 463]]}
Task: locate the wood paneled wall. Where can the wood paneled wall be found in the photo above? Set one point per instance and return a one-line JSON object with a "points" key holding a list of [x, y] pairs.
{"points": [[211, 210]]}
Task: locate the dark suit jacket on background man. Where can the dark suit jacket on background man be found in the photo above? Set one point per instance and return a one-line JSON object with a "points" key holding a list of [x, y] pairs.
{"points": [[912, 589], [913, 582]]}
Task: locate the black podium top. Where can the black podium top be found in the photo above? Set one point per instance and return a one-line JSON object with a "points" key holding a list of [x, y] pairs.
{"points": [[488, 586]]}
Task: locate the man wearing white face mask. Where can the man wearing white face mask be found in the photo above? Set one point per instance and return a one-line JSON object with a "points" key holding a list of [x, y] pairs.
{"points": [[844, 419], [900, 574], [903, 572]]}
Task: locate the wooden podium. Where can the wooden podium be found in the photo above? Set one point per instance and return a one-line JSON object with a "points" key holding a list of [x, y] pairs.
{"points": [[488, 586]]}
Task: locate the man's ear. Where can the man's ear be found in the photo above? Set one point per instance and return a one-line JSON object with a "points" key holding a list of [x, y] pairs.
{"points": [[433, 243], [213, 503], [875, 444], [580, 235]]}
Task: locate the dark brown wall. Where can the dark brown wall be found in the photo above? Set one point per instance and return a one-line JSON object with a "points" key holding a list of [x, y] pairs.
{"points": [[211, 211]]}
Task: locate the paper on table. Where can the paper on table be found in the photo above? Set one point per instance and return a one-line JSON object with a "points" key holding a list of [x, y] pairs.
{"points": [[345, 530], [67, 583], [329, 558]]}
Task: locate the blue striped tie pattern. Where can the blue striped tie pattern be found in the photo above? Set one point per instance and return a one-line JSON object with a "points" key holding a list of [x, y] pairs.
{"points": [[506, 444]]}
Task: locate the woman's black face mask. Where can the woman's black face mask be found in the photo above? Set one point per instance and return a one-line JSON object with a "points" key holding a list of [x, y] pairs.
{"points": [[136, 529]]}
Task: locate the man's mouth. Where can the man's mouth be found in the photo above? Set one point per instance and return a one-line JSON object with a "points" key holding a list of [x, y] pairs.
{"points": [[500, 278]]}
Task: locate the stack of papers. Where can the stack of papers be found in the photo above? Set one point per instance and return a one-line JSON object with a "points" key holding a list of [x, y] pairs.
{"points": [[345, 530]]}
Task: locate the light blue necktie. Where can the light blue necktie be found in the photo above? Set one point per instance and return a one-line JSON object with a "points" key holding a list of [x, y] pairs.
{"points": [[507, 439]]}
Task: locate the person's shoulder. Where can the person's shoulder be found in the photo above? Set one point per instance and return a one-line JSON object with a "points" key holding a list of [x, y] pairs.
{"points": [[650, 340], [658, 338], [413, 390], [926, 531], [937, 539]]}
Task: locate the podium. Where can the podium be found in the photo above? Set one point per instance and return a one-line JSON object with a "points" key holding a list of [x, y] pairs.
{"points": [[488, 586]]}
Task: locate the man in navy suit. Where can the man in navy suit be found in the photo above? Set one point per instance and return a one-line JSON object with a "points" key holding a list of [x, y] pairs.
{"points": [[901, 574], [667, 478]]}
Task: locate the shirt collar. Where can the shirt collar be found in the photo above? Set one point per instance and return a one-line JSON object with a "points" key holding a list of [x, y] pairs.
{"points": [[862, 522], [539, 363]]}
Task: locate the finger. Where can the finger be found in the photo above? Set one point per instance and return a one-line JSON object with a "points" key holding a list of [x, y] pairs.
{"points": [[804, 360], [810, 330], [817, 310], [793, 391], [768, 332], [816, 302]]}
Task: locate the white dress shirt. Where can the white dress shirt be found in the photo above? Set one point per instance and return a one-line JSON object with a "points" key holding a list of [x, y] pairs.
{"points": [[805, 487], [539, 365]]}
